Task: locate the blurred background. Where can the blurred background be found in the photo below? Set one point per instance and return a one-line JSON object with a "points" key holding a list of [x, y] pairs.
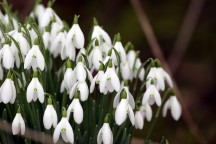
{"points": [[195, 74]]}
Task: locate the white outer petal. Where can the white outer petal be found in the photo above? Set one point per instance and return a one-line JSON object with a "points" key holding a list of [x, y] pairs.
{"points": [[84, 91], [131, 114], [47, 117], [175, 108], [78, 112], [121, 112], [107, 135], [6, 91], [139, 121]]}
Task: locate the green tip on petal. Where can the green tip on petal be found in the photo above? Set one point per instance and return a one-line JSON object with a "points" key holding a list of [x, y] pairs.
{"points": [[107, 118], [152, 82], [49, 100], [68, 64], [77, 94], [48, 28], [80, 59], [123, 94], [36, 42], [157, 63], [110, 64], [152, 63], [76, 19], [9, 75], [101, 68], [118, 37], [64, 112], [125, 83], [110, 52], [95, 22], [35, 74], [19, 28], [19, 110], [96, 42]]}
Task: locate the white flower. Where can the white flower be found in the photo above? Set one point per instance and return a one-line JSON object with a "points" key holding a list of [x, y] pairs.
{"points": [[46, 17], [82, 72], [139, 121], [34, 58], [136, 67], [173, 104], [157, 77], [76, 108], [69, 77], [35, 90], [8, 90], [110, 79], [104, 47], [129, 98], [47, 39], [83, 88], [1, 71], [7, 57], [32, 33], [64, 128], [105, 134], [126, 72], [18, 124], [131, 56], [123, 109], [165, 76], [96, 56], [50, 116], [68, 51], [120, 49], [151, 95], [97, 79], [100, 34], [39, 11], [146, 112], [75, 34], [55, 28], [58, 43]]}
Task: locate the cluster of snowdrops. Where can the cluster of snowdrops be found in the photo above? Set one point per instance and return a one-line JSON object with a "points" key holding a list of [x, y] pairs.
{"points": [[46, 46]]}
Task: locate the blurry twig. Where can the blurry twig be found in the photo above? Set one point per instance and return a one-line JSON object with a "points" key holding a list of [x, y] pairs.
{"points": [[29, 134], [185, 33], [147, 29]]}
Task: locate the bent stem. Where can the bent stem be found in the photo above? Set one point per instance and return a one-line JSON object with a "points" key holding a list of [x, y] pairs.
{"points": [[166, 94]]}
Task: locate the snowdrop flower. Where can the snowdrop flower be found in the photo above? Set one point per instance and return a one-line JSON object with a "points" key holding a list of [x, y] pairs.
{"points": [[55, 28], [76, 108], [151, 95], [69, 76], [96, 55], [47, 17], [8, 90], [32, 33], [100, 34], [68, 51], [163, 73], [39, 12], [146, 112], [131, 57], [126, 72], [97, 79], [123, 109], [7, 56], [136, 68], [18, 124], [50, 116], [34, 58], [105, 134], [83, 88], [130, 98], [35, 90], [75, 34], [110, 79], [157, 77], [82, 72], [120, 49], [47, 37], [64, 128], [21, 40], [173, 104], [139, 121], [58, 43]]}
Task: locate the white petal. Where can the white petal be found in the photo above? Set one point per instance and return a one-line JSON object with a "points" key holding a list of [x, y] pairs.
{"points": [[116, 100], [6, 91], [168, 79], [166, 107], [157, 97], [79, 37], [47, 117], [69, 133], [121, 112], [148, 112], [30, 90], [139, 122], [92, 86], [97, 57], [80, 72], [84, 91], [28, 58], [103, 82], [131, 114], [78, 112], [47, 15], [57, 132], [99, 136], [175, 108], [8, 59], [146, 96], [40, 91], [73, 89], [54, 117], [115, 81], [15, 124], [22, 123], [107, 136], [40, 59]]}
